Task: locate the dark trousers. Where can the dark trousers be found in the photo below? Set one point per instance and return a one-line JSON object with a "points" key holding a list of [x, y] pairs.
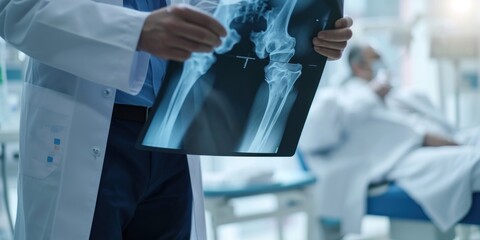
{"points": [[143, 195]]}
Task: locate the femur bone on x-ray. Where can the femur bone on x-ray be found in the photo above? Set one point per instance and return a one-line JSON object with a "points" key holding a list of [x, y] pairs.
{"points": [[194, 114]]}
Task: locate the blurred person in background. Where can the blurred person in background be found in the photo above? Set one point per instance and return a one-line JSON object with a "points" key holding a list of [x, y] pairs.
{"points": [[364, 132]]}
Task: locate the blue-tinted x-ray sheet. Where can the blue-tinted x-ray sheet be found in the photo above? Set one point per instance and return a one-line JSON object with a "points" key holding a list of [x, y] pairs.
{"points": [[251, 96]]}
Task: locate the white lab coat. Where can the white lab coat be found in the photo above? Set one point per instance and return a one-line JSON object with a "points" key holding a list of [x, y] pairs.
{"points": [[351, 140], [81, 51]]}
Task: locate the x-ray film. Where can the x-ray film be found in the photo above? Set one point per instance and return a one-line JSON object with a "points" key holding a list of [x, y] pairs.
{"points": [[251, 96]]}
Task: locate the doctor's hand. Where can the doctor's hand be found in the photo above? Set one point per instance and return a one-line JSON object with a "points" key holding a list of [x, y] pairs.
{"points": [[175, 32], [331, 43], [433, 140], [381, 89]]}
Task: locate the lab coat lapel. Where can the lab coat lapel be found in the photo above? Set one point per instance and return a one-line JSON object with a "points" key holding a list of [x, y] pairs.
{"points": [[198, 217]]}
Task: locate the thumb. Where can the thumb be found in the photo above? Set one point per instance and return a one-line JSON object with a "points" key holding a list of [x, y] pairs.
{"points": [[344, 22]]}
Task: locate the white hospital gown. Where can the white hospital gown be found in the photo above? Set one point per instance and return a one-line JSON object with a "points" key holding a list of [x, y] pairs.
{"points": [[352, 139]]}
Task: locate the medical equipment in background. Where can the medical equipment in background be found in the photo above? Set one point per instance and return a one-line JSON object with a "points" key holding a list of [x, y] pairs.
{"points": [[400, 30], [454, 40], [454, 50]]}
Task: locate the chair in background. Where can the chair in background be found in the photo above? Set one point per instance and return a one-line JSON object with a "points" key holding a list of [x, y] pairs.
{"points": [[291, 191], [407, 218]]}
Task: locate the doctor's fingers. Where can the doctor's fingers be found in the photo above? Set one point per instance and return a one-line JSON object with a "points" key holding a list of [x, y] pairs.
{"points": [[199, 18], [194, 33], [344, 22], [327, 44], [336, 35], [164, 23], [331, 54], [187, 45]]}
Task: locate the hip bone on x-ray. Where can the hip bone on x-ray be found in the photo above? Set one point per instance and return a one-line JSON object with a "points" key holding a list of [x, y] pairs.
{"points": [[250, 96]]}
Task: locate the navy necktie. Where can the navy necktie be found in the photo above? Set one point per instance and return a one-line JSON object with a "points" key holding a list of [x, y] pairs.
{"points": [[156, 4], [157, 66]]}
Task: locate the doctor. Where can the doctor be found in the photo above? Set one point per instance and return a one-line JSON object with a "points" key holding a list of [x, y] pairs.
{"points": [[95, 68]]}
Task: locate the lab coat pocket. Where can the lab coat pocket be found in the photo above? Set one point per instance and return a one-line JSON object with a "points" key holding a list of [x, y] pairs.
{"points": [[46, 123]]}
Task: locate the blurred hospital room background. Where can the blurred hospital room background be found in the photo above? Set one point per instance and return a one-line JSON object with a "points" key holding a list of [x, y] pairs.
{"points": [[430, 47]]}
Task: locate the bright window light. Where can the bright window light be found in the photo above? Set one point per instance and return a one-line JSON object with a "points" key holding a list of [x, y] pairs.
{"points": [[460, 8]]}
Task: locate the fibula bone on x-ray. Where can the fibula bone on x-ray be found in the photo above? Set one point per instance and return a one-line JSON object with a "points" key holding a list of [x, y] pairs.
{"points": [[250, 96]]}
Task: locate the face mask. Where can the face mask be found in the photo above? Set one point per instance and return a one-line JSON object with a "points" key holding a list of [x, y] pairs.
{"points": [[376, 67]]}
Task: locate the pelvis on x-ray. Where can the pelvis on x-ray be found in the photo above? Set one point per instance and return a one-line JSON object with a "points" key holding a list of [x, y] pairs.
{"points": [[250, 96]]}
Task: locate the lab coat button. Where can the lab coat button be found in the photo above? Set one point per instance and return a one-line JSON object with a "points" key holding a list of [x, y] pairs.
{"points": [[96, 151], [107, 92]]}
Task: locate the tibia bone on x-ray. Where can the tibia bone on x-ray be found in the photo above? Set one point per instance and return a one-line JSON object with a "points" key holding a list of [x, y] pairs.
{"points": [[280, 78], [279, 74], [194, 68]]}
